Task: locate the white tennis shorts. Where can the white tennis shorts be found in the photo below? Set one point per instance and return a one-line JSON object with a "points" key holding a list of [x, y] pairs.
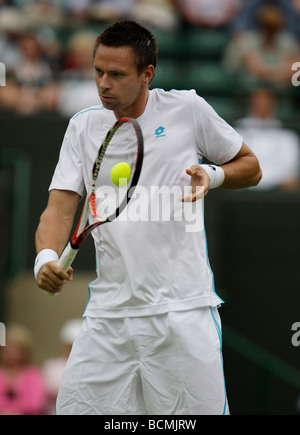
{"points": [[169, 364]]}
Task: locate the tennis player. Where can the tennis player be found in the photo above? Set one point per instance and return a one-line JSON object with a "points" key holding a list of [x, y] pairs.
{"points": [[151, 336]]}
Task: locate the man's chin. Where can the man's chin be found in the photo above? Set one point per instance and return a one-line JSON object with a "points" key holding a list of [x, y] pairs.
{"points": [[109, 103]]}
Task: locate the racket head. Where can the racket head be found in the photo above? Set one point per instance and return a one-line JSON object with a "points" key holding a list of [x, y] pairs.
{"points": [[124, 144], [105, 201]]}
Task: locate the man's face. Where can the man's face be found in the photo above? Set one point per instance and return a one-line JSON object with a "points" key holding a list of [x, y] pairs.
{"points": [[119, 84]]}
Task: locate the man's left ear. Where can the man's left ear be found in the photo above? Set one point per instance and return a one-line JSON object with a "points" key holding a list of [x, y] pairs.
{"points": [[148, 75]]}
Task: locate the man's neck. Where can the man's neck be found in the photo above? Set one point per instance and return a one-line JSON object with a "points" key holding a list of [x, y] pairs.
{"points": [[134, 111]]}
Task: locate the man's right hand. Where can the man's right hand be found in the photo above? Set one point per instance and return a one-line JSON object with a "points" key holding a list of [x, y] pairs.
{"points": [[52, 277]]}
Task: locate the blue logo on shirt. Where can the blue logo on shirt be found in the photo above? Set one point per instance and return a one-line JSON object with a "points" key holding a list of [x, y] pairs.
{"points": [[159, 132]]}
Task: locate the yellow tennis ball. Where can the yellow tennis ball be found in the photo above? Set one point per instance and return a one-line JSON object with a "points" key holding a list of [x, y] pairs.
{"points": [[120, 174]]}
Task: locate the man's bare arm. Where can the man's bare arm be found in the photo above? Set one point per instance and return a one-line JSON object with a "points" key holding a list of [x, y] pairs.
{"points": [[53, 233], [243, 171]]}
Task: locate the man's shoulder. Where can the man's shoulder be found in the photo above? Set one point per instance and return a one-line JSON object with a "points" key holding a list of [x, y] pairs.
{"points": [[182, 99], [169, 100], [178, 94], [91, 118], [89, 112]]}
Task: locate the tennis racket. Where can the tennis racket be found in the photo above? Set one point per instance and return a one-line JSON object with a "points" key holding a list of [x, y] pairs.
{"points": [[104, 200]]}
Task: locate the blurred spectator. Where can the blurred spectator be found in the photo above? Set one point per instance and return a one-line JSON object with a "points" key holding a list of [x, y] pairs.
{"points": [[99, 10], [32, 70], [111, 10], [265, 55], [78, 89], [11, 26], [157, 13], [277, 149], [42, 12], [29, 89], [247, 19], [22, 390], [36, 12], [53, 368], [52, 49], [209, 13], [78, 9], [9, 95], [78, 59]]}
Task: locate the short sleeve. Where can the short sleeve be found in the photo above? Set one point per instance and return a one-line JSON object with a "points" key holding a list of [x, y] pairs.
{"points": [[215, 138], [68, 174]]}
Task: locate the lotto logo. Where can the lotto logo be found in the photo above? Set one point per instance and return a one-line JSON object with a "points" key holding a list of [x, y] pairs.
{"points": [[296, 76], [2, 335], [2, 74]]}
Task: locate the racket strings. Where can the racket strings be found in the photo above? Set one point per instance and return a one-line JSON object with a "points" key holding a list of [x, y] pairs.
{"points": [[123, 148]]}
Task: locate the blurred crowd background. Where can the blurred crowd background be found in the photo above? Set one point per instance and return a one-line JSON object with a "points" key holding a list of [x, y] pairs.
{"points": [[26, 389], [46, 46], [225, 49], [243, 57]]}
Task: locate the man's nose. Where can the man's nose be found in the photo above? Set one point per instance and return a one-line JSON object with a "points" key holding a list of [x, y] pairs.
{"points": [[104, 82]]}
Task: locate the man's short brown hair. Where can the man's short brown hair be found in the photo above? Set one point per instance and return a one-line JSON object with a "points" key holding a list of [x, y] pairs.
{"points": [[132, 34]]}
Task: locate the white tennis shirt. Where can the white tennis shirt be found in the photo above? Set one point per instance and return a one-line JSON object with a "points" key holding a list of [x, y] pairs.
{"points": [[153, 259]]}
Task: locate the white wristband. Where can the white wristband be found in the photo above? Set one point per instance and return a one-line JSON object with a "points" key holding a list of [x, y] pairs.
{"points": [[45, 256], [216, 175]]}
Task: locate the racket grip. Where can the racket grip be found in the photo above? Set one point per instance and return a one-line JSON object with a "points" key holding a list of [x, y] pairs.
{"points": [[65, 262], [67, 257]]}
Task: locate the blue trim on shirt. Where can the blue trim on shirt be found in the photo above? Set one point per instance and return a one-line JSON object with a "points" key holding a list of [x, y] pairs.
{"points": [[87, 110]]}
